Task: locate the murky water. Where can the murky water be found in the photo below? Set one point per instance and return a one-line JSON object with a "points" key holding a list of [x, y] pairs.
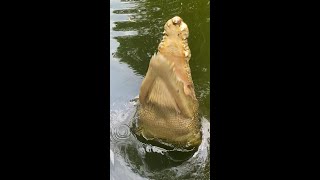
{"points": [[136, 30]]}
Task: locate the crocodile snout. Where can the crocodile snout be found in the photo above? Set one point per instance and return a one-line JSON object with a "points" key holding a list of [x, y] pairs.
{"points": [[176, 20]]}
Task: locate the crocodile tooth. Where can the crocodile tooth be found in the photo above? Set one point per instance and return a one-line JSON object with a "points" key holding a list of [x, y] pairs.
{"points": [[172, 65], [183, 27], [186, 53]]}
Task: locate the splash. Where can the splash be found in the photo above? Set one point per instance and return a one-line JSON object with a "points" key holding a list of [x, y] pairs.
{"points": [[138, 160]]}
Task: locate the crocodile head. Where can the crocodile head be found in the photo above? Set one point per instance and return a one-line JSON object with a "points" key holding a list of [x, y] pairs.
{"points": [[168, 111]]}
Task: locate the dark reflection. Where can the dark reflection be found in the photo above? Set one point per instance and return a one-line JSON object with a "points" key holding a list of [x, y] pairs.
{"points": [[156, 161], [148, 19]]}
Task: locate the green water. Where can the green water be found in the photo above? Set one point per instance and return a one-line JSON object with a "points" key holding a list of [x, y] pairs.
{"points": [[136, 30]]}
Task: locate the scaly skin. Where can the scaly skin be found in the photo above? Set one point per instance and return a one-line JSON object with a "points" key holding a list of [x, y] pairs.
{"points": [[168, 110]]}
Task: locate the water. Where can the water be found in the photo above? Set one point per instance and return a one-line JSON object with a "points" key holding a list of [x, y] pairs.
{"points": [[135, 31]]}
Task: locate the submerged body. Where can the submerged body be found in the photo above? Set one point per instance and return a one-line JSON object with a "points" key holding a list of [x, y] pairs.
{"points": [[168, 111]]}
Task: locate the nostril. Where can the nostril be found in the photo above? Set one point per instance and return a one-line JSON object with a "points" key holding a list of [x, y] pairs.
{"points": [[176, 20]]}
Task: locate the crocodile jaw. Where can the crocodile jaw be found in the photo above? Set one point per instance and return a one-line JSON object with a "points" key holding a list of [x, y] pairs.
{"points": [[174, 46], [169, 107]]}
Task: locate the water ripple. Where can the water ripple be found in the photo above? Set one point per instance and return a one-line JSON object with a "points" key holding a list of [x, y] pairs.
{"points": [[122, 132]]}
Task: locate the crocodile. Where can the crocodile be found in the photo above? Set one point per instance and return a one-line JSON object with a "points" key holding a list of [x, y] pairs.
{"points": [[168, 110]]}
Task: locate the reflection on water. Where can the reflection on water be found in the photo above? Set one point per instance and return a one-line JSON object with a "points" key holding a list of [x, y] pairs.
{"points": [[136, 30]]}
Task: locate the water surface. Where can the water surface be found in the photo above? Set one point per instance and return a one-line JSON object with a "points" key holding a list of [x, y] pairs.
{"points": [[135, 31]]}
